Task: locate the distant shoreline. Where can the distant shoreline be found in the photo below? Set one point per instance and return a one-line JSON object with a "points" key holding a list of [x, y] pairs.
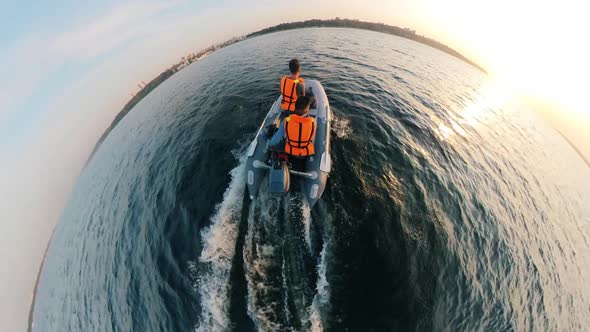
{"points": [[363, 25], [334, 23]]}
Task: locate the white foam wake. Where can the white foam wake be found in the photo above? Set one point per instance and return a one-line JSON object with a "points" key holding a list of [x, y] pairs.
{"points": [[219, 243], [274, 280], [260, 258], [322, 297], [306, 213], [341, 126]]}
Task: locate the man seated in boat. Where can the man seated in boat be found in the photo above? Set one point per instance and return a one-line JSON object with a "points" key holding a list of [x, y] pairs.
{"points": [[295, 136], [292, 86]]}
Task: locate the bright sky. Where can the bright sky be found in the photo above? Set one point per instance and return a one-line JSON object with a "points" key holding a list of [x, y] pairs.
{"points": [[67, 67]]}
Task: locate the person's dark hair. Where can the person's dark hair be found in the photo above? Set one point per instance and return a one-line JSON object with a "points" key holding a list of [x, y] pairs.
{"points": [[294, 66], [302, 104]]}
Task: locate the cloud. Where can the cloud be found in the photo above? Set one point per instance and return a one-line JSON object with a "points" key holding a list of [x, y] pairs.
{"points": [[105, 33], [35, 58], [23, 66]]}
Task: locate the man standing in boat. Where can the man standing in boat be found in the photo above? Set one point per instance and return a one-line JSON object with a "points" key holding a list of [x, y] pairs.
{"points": [[292, 86]]}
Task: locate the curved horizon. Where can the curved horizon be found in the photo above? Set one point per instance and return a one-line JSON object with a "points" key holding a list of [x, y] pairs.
{"points": [[58, 94]]}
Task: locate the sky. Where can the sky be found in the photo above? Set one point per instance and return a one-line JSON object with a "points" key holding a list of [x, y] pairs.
{"points": [[68, 67]]}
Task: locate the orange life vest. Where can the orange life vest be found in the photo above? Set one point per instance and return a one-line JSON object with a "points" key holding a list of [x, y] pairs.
{"points": [[299, 134], [289, 92]]}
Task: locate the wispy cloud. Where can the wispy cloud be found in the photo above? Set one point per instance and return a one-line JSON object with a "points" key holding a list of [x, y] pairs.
{"points": [[22, 67], [118, 26], [37, 56]]}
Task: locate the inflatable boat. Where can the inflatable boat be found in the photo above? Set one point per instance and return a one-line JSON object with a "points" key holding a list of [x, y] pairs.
{"points": [[313, 171]]}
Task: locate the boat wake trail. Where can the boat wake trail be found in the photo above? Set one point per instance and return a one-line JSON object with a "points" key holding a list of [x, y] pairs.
{"points": [[284, 257], [341, 126], [286, 291], [321, 301], [215, 261]]}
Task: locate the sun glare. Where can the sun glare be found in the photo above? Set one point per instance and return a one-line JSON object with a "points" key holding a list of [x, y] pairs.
{"points": [[533, 48], [490, 97]]}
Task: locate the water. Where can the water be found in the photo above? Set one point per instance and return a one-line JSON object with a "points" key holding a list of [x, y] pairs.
{"points": [[449, 206]]}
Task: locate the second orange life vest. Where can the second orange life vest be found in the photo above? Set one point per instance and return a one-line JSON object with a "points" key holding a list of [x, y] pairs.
{"points": [[289, 92], [299, 133]]}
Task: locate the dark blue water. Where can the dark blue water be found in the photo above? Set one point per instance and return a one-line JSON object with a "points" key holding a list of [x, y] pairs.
{"points": [[449, 206]]}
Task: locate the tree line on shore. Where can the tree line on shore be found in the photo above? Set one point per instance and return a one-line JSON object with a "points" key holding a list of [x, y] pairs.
{"points": [[356, 24]]}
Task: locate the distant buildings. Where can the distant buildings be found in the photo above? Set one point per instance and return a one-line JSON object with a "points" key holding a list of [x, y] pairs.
{"points": [[187, 60]]}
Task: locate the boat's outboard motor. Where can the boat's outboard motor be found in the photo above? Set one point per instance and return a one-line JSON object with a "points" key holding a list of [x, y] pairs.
{"points": [[278, 177]]}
